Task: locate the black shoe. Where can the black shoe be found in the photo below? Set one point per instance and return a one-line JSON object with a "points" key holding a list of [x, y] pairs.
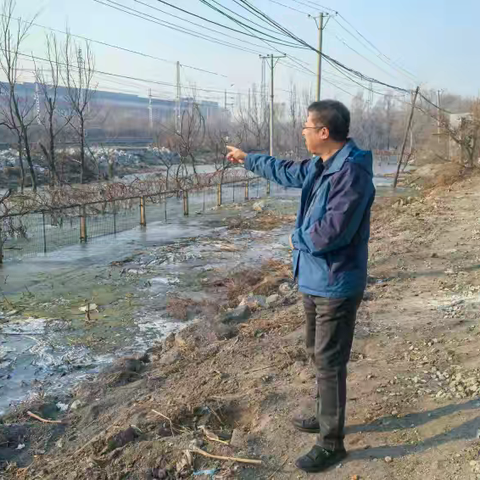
{"points": [[308, 425], [318, 459]]}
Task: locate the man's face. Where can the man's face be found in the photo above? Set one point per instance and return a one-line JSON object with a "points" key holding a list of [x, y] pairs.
{"points": [[315, 135]]}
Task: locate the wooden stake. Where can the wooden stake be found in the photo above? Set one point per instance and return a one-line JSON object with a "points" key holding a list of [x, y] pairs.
{"points": [[231, 459], [43, 420]]}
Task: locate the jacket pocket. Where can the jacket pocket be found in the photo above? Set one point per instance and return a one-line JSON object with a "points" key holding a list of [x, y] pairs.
{"points": [[313, 272]]}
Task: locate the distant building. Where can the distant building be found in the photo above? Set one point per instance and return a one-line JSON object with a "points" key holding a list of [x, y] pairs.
{"points": [[116, 107]]}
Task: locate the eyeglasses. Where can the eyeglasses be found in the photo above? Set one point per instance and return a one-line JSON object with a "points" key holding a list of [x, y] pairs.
{"points": [[314, 128]]}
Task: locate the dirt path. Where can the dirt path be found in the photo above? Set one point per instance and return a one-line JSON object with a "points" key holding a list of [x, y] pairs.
{"points": [[414, 379]]}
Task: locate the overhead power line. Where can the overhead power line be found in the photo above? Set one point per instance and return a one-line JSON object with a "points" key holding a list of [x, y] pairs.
{"points": [[375, 51], [289, 7], [270, 37], [117, 47], [172, 26], [136, 79], [314, 6], [373, 46], [118, 75], [248, 6]]}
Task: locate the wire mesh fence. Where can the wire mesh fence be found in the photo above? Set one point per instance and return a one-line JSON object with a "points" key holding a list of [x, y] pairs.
{"points": [[47, 231]]}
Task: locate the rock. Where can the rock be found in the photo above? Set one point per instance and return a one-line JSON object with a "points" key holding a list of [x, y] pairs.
{"points": [[122, 438], [258, 206], [239, 315], [224, 332], [305, 376], [239, 438], [180, 341], [254, 301], [136, 271], [388, 459], [272, 300], [76, 405], [285, 288], [171, 356], [63, 407], [196, 443]]}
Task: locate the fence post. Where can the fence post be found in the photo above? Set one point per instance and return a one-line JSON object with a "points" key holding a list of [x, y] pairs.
{"points": [[219, 194], [114, 217], [246, 190], [83, 224], [185, 202], [44, 234], [143, 218], [268, 187]]}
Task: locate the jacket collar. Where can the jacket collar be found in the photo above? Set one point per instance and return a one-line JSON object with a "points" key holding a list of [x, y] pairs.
{"points": [[340, 157]]}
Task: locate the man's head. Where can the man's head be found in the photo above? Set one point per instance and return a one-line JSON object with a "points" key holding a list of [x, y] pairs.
{"points": [[326, 128]]}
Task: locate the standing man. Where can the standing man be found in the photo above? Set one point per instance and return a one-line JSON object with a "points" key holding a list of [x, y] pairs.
{"points": [[330, 252]]}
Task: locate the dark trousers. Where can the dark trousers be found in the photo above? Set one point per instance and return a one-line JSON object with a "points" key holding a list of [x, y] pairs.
{"points": [[330, 323]]}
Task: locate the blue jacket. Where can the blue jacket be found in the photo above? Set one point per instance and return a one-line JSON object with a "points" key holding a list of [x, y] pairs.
{"points": [[333, 222]]}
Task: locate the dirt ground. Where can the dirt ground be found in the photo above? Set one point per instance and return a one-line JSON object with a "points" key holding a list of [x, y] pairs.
{"points": [[231, 387]]}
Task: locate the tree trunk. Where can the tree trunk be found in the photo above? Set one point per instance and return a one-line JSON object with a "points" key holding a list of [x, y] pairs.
{"points": [[20, 160], [28, 154], [51, 132], [82, 149]]}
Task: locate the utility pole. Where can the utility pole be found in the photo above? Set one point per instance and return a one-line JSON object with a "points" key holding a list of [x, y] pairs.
{"points": [[178, 100], [320, 42], [272, 61], [405, 138], [321, 26], [225, 100]]}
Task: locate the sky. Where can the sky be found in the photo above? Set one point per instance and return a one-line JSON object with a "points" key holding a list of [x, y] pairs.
{"points": [[432, 43]]}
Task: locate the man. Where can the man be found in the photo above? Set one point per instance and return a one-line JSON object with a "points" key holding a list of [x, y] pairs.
{"points": [[330, 251]]}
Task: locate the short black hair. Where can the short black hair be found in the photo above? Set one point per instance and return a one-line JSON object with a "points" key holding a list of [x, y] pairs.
{"points": [[333, 115]]}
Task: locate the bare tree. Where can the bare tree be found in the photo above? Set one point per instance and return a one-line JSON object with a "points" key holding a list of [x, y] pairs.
{"points": [[253, 120], [17, 110], [464, 131], [52, 122], [295, 121], [77, 75], [166, 157], [187, 141], [218, 139]]}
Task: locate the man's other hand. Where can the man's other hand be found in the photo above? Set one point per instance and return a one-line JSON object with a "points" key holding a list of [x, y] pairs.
{"points": [[235, 155]]}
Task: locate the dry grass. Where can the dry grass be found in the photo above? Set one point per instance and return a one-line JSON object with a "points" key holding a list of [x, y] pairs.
{"points": [[183, 309], [262, 221], [264, 280]]}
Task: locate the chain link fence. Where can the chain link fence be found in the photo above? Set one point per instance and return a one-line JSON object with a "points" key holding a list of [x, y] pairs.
{"points": [[47, 231]]}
